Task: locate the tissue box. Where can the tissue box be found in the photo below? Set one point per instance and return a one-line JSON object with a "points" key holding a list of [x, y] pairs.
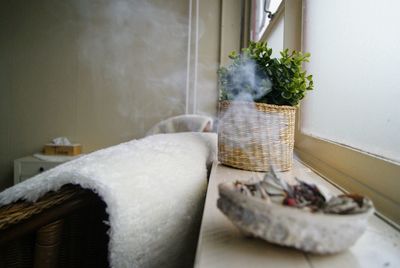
{"points": [[53, 149]]}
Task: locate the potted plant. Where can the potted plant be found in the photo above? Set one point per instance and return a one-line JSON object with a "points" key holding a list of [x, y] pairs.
{"points": [[258, 99]]}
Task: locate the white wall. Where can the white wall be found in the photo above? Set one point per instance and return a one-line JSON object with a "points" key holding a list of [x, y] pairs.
{"points": [[100, 72], [355, 61]]}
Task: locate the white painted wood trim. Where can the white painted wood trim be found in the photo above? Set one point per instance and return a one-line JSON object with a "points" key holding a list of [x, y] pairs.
{"points": [[222, 245]]}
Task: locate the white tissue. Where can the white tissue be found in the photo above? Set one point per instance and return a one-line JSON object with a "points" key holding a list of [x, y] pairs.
{"points": [[61, 141]]}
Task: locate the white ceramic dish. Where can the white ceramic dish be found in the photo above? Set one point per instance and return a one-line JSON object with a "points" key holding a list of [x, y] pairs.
{"points": [[288, 226]]}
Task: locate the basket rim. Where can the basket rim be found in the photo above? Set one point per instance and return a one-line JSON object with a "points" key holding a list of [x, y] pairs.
{"points": [[282, 107]]}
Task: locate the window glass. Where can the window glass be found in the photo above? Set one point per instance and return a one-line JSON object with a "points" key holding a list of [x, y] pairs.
{"points": [[355, 62], [275, 38]]}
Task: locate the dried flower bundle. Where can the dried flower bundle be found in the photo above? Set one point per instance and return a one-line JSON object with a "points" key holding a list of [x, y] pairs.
{"points": [[302, 195]]}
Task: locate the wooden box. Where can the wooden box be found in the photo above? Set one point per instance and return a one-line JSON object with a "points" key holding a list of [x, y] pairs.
{"points": [[53, 149]]}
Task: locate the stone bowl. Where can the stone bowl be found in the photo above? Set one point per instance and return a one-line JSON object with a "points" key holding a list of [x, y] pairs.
{"points": [[311, 232]]}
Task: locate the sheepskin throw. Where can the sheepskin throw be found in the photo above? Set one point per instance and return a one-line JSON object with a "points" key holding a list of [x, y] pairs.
{"points": [[183, 123], [152, 188]]}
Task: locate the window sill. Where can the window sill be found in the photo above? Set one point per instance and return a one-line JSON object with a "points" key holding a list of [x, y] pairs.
{"points": [[222, 245], [354, 171]]}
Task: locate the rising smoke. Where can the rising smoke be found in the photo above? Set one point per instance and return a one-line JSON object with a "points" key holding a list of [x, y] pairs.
{"points": [[244, 125], [138, 49]]}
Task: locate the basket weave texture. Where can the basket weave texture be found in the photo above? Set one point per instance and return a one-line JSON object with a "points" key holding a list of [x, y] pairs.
{"points": [[253, 136], [19, 211], [65, 228]]}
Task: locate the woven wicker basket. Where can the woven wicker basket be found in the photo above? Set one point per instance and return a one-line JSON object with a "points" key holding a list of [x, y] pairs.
{"points": [[253, 136]]}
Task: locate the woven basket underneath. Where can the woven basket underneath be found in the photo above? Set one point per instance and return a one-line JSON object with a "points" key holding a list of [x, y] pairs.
{"points": [[253, 136]]}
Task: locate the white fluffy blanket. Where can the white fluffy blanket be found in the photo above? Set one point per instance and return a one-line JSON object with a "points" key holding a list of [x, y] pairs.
{"points": [[183, 123], [152, 188]]}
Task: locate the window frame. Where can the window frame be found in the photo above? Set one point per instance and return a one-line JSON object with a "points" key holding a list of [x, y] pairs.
{"points": [[348, 168], [276, 17]]}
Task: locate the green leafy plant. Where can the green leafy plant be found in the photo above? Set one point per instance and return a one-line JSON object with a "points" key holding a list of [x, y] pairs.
{"points": [[254, 74]]}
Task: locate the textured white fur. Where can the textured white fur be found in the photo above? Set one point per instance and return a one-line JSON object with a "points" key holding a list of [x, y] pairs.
{"points": [[151, 187], [183, 123]]}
